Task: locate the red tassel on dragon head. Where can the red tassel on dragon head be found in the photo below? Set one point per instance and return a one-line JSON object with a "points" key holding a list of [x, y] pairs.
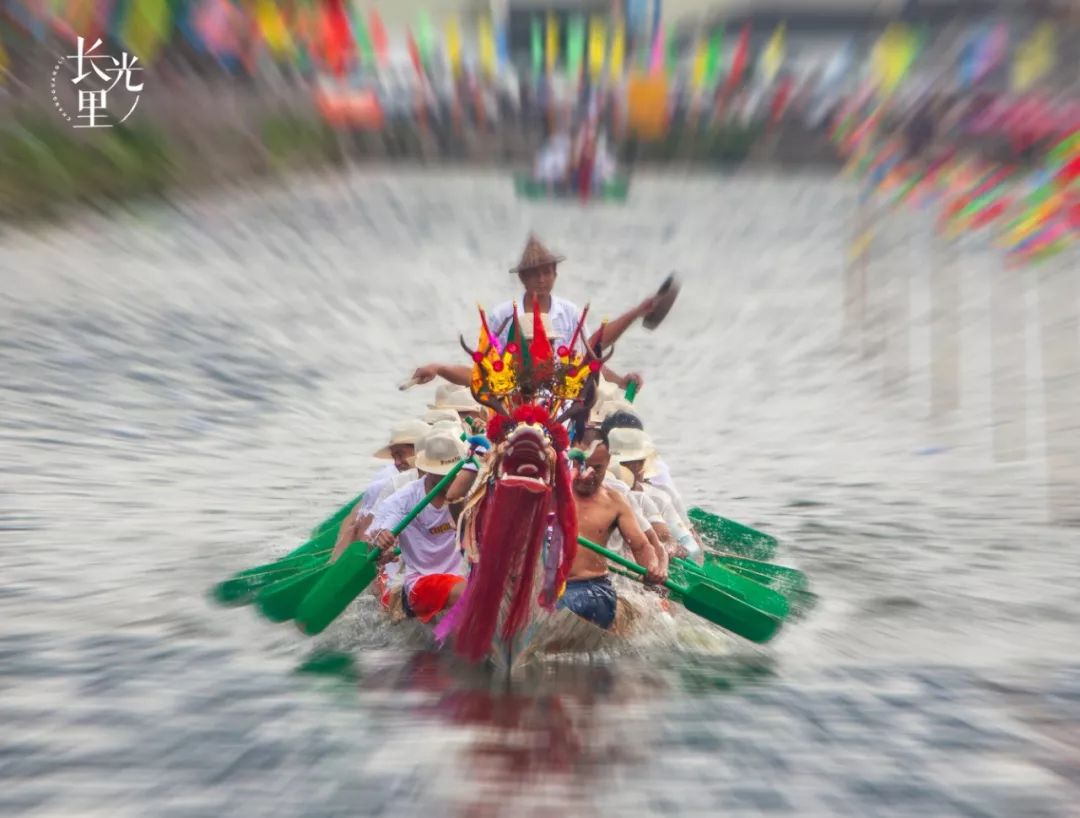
{"points": [[519, 525]]}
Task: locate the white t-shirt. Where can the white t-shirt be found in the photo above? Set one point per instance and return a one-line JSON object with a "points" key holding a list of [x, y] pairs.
{"points": [[670, 516], [429, 543], [562, 320], [381, 489], [662, 480]]}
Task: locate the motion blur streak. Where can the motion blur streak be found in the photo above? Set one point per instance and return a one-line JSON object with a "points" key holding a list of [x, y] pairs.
{"points": [[205, 312]]}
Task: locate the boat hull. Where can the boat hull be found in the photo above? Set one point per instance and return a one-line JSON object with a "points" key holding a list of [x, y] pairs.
{"points": [[547, 633]]}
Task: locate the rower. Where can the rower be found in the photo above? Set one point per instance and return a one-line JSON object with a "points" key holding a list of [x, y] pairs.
{"points": [[631, 449], [537, 273], [656, 472], [402, 450], [600, 512], [433, 565]]}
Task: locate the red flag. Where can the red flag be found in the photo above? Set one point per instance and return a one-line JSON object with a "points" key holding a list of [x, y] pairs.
{"points": [[780, 100], [379, 41], [336, 36], [414, 53], [739, 58]]}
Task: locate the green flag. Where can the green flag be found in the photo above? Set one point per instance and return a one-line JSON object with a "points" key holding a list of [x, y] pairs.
{"points": [[536, 32], [425, 37], [712, 58], [575, 44], [671, 54]]}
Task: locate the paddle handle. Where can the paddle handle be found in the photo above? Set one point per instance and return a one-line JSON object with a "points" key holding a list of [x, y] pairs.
{"points": [[631, 392], [630, 565]]}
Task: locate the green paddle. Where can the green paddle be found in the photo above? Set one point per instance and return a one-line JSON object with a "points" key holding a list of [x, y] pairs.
{"points": [[720, 607], [279, 600], [345, 579], [760, 596], [779, 577], [727, 535], [241, 587]]}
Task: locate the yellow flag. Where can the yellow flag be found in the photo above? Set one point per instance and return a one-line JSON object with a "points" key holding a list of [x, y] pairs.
{"points": [[701, 64], [453, 44], [772, 56], [147, 27], [272, 28], [486, 34], [1035, 57], [597, 46], [618, 52], [551, 53], [892, 56]]}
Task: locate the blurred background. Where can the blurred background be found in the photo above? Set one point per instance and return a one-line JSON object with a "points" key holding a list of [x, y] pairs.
{"points": [[230, 228]]}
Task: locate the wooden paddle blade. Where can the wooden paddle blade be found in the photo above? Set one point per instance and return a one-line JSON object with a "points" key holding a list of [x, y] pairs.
{"points": [[280, 600], [727, 535], [666, 295], [343, 582], [730, 613], [241, 588]]}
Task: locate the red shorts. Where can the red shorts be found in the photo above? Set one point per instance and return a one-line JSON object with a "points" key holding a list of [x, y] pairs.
{"points": [[429, 594]]}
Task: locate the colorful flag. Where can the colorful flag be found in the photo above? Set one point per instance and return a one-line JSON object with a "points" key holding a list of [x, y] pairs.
{"points": [[772, 56], [597, 46], [338, 45], [272, 28], [739, 58], [536, 38], [700, 65], [1035, 57], [453, 44], [414, 53], [148, 26], [893, 55], [425, 37], [379, 41], [618, 52], [712, 59], [575, 45], [656, 60], [552, 51], [486, 38], [984, 51]]}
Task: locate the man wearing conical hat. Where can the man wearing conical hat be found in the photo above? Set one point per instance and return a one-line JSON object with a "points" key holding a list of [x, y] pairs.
{"points": [[537, 273]]}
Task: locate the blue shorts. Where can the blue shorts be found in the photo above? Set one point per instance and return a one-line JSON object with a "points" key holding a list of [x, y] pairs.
{"points": [[591, 599]]}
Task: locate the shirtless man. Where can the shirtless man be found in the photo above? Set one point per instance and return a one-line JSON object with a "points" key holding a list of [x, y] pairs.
{"points": [[600, 511]]}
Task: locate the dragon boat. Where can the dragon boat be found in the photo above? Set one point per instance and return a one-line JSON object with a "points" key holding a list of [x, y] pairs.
{"points": [[518, 529], [527, 187]]}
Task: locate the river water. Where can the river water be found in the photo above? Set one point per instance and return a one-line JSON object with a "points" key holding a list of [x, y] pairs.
{"points": [[187, 389]]}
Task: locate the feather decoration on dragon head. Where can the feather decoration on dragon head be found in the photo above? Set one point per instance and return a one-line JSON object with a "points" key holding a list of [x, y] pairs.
{"points": [[520, 520]]}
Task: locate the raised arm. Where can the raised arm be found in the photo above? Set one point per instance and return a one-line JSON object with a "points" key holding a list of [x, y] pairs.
{"points": [[640, 547], [461, 375]]}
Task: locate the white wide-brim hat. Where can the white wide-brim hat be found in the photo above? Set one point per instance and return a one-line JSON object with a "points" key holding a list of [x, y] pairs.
{"points": [[408, 432], [439, 453], [453, 427], [626, 445], [458, 398], [434, 416]]}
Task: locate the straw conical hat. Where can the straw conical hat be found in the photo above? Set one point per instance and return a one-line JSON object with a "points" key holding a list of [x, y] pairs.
{"points": [[535, 255]]}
